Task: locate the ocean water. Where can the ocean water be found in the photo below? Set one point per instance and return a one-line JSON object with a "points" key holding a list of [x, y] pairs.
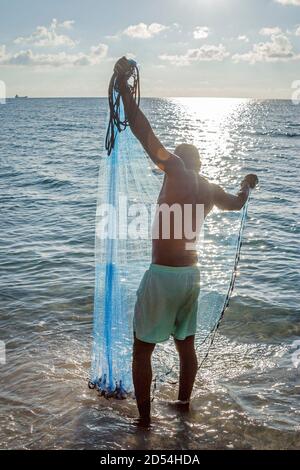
{"points": [[247, 394]]}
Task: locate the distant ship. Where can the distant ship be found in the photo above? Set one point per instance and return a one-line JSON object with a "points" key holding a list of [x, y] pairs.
{"points": [[17, 97]]}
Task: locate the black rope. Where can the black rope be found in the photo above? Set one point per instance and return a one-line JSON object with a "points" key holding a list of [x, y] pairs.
{"points": [[116, 124], [232, 282]]}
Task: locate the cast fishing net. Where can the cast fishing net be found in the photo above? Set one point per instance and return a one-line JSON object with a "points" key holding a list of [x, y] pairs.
{"points": [[127, 192]]}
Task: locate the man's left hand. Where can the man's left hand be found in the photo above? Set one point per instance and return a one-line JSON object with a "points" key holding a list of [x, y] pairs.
{"points": [[122, 67]]}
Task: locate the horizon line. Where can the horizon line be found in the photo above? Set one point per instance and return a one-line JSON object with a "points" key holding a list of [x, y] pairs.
{"points": [[152, 97]]}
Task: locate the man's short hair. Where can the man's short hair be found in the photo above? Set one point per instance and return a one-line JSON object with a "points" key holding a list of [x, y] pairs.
{"points": [[189, 154]]}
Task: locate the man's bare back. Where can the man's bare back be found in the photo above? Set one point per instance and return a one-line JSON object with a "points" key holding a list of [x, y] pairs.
{"points": [[189, 189]]}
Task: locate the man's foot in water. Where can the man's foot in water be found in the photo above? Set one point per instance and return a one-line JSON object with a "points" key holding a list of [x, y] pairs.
{"points": [[179, 405], [142, 422]]}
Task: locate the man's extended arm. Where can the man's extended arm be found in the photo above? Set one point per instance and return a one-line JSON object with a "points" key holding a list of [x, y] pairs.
{"points": [[231, 202], [142, 130]]}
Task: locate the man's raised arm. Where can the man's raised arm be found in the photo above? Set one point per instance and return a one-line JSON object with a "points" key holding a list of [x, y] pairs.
{"points": [[142, 129]]}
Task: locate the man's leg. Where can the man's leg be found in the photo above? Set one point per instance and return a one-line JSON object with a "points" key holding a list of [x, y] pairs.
{"points": [[188, 367], [142, 377]]}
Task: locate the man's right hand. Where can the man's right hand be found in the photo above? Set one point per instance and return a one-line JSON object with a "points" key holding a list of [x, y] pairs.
{"points": [[250, 180]]}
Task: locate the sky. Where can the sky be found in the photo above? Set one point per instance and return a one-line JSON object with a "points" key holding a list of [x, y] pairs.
{"points": [[221, 48]]}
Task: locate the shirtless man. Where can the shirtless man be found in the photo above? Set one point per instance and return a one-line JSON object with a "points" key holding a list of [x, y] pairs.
{"points": [[167, 299]]}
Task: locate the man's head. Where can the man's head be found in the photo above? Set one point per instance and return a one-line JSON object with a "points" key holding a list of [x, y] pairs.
{"points": [[189, 155]]}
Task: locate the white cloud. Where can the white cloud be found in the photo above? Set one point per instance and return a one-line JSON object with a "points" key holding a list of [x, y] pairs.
{"points": [[297, 33], [269, 31], [279, 48], [201, 32], [49, 36], [99, 51], [68, 24], [61, 59], [244, 38], [2, 51], [289, 2], [144, 31], [205, 53]]}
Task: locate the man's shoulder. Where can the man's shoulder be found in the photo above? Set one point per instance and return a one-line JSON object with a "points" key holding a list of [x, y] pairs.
{"points": [[203, 180], [205, 191], [204, 183], [214, 187]]}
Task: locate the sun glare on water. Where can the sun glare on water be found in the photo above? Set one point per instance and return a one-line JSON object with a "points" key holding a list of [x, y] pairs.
{"points": [[209, 124]]}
